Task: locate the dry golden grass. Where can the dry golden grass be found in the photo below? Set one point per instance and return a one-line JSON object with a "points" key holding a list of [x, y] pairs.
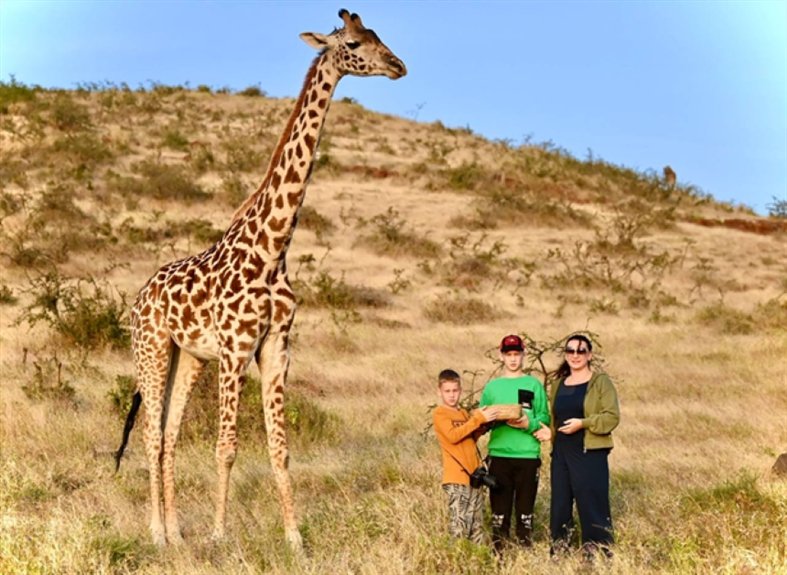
{"points": [[698, 357]]}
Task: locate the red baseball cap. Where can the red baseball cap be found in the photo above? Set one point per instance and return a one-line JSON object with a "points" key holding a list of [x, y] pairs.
{"points": [[512, 343]]}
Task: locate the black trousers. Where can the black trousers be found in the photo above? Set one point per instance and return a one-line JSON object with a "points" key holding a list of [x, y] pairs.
{"points": [[581, 476], [517, 486]]}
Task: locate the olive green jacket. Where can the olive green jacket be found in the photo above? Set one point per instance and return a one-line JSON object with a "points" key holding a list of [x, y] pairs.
{"points": [[602, 413]]}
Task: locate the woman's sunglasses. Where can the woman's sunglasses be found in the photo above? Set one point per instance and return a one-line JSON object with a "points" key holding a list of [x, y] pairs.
{"points": [[572, 351]]}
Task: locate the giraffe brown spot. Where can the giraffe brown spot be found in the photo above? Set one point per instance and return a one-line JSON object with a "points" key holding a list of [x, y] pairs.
{"points": [[279, 242], [282, 311], [235, 305], [249, 274], [293, 199], [322, 103], [313, 114], [276, 224], [145, 311], [267, 205], [188, 317], [299, 150], [326, 87], [255, 260], [292, 176], [196, 334], [313, 96], [247, 326], [309, 141], [275, 181], [199, 297], [236, 285]]}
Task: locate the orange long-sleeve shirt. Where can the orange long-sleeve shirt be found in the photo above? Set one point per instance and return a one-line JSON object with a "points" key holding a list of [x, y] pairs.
{"points": [[454, 428]]}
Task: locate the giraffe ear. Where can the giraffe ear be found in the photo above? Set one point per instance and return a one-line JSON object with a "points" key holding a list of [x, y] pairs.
{"points": [[315, 40]]}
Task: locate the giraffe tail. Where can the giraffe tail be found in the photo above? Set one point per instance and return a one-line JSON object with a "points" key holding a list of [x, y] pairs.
{"points": [[132, 415]]}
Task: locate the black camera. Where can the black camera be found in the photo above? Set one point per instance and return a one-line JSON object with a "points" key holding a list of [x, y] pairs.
{"points": [[481, 477]]}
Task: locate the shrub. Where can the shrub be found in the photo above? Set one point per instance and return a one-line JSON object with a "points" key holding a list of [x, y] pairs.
{"points": [[460, 310], [310, 219], [307, 423], [69, 115], [121, 395], [389, 237], [175, 140], [725, 320], [162, 182], [253, 91], [777, 208], [7, 296], [85, 312], [327, 291], [13, 92], [48, 382]]}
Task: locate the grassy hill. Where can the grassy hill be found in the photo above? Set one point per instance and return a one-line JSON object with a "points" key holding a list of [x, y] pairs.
{"points": [[418, 248]]}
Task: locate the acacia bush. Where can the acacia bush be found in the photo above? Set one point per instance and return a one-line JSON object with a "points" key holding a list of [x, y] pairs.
{"points": [[460, 310], [389, 236], [83, 312]]}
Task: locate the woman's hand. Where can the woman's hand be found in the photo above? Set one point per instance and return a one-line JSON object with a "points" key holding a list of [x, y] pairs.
{"points": [[570, 426], [543, 434]]}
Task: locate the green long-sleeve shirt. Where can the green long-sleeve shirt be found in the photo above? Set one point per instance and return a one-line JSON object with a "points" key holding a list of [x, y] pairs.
{"points": [[507, 441]]}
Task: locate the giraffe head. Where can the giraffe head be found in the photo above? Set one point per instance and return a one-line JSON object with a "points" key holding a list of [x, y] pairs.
{"points": [[357, 50]]}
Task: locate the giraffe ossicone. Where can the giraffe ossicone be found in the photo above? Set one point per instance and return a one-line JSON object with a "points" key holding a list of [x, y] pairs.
{"points": [[233, 302]]}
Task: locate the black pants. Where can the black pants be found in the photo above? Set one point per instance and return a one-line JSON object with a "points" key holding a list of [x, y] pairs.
{"points": [[581, 476], [517, 486]]}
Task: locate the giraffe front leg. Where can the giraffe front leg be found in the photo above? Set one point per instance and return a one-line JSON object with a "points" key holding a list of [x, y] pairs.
{"points": [[273, 365], [187, 370], [230, 384]]}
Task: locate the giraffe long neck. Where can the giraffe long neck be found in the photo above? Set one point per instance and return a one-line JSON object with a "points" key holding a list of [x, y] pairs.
{"points": [[271, 212]]}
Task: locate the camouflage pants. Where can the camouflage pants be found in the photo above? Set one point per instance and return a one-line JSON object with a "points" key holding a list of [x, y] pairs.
{"points": [[465, 512]]}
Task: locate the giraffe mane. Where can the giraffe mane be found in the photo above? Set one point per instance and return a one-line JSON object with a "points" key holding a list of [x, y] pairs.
{"points": [[283, 139]]}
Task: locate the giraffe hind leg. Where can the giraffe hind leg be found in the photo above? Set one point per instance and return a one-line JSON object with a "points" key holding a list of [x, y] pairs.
{"points": [[153, 371], [184, 371]]}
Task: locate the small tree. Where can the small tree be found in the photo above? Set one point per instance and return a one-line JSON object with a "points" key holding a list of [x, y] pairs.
{"points": [[777, 208]]}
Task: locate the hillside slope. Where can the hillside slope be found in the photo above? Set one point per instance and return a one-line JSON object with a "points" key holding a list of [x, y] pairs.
{"points": [[418, 248]]}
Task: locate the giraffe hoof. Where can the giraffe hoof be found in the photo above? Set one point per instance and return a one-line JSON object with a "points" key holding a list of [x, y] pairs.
{"points": [[159, 538], [295, 541], [217, 535]]}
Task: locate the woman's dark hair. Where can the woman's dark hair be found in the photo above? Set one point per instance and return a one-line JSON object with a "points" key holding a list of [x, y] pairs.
{"points": [[564, 370]]}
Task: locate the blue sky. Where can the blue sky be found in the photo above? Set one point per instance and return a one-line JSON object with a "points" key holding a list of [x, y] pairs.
{"points": [[699, 85]]}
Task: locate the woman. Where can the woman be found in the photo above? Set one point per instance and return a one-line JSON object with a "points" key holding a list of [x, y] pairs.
{"points": [[584, 412]]}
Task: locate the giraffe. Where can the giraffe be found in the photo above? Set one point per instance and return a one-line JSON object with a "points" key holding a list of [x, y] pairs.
{"points": [[670, 178], [233, 302]]}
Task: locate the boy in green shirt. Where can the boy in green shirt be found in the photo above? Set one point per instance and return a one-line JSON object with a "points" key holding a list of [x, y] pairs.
{"points": [[515, 455]]}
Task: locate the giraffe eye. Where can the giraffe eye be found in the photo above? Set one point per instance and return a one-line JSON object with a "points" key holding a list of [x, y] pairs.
{"points": [[352, 44]]}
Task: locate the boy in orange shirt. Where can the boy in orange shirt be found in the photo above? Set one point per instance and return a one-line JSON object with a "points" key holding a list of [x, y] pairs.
{"points": [[457, 432]]}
